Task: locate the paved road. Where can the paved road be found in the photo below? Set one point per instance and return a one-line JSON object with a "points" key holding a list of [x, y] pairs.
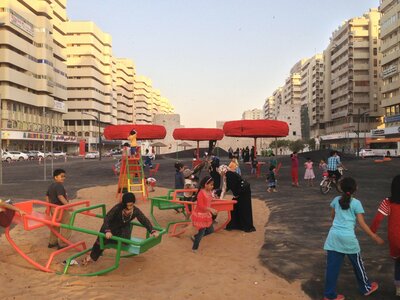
{"points": [[297, 227]]}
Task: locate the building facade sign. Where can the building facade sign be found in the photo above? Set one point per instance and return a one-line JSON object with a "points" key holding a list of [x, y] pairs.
{"points": [[32, 136], [21, 23], [386, 131]]}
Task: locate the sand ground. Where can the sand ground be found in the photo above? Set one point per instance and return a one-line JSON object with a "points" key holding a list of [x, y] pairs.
{"points": [[226, 266]]}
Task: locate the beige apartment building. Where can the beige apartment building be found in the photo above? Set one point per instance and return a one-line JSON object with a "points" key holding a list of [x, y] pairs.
{"points": [[143, 96], [33, 74], [311, 99], [125, 74], [390, 82], [269, 108], [92, 96], [351, 92], [253, 114]]}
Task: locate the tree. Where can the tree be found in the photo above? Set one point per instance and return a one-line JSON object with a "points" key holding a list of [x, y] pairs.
{"points": [[311, 143], [296, 146]]}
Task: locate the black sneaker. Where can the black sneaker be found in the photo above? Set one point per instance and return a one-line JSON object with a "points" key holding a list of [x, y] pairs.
{"points": [[53, 245]]}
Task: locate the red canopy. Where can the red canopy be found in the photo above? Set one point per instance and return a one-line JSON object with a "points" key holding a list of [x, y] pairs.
{"points": [[198, 134], [143, 132], [256, 128]]}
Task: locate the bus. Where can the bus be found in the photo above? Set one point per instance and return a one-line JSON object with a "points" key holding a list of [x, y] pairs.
{"points": [[385, 147]]}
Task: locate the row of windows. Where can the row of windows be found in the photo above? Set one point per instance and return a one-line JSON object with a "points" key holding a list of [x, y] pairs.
{"points": [[392, 110]]}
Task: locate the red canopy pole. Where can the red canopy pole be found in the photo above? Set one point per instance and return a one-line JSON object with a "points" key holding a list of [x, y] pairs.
{"points": [[255, 148]]}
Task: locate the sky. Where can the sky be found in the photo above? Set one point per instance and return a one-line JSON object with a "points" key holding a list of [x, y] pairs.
{"points": [[214, 59]]}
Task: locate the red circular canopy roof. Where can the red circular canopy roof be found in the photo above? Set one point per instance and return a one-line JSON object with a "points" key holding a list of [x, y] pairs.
{"points": [[198, 134], [256, 128], [143, 132]]}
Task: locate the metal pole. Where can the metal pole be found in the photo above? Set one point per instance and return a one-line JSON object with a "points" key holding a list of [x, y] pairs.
{"points": [[1, 141], [358, 134], [365, 132], [51, 145], [44, 144], [99, 147]]}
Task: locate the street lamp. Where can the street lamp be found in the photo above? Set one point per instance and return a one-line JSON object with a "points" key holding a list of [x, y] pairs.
{"points": [[98, 122]]}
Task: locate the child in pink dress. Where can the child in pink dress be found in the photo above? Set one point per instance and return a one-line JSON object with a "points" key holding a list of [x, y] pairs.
{"points": [[309, 174]]}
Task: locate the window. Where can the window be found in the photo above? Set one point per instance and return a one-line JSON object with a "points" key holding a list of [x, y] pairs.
{"points": [[294, 132]]}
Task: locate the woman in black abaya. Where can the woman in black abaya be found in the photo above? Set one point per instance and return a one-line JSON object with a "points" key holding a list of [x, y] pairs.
{"points": [[242, 214]]}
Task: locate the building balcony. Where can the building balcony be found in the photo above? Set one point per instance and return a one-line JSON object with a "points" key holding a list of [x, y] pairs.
{"points": [[389, 58], [339, 114], [390, 87]]}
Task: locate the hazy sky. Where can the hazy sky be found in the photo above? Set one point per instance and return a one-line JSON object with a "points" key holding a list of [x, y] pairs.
{"points": [[213, 59]]}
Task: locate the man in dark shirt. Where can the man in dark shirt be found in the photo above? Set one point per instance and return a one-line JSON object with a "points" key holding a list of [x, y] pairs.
{"points": [[56, 194]]}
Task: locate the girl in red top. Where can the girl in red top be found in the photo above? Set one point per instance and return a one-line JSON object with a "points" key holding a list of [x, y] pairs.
{"points": [[202, 213], [390, 207]]}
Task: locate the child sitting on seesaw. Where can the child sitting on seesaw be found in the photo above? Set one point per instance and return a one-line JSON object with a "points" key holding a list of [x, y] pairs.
{"points": [[118, 222]]}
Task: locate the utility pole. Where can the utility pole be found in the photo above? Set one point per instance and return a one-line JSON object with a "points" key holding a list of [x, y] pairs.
{"points": [[44, 143], [1, 141]]}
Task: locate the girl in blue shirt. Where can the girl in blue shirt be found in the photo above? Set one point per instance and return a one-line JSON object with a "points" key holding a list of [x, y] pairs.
{"points": [[342, 241]]}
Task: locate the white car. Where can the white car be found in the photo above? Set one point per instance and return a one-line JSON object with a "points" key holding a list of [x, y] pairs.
{"points": [[92, 155], [38, 154], [14, 155], [366, 152], [57, 154]]}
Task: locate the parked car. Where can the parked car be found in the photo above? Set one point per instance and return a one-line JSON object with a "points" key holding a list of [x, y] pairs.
{"points": [[366, 152], [61, 154], [31, 156], [92, 155], [38, 154], [14, 155]]}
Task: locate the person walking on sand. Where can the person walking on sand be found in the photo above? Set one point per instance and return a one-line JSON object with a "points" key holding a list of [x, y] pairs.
{"points": [[390, 207], [309, 172], [342, 241], [202, 213], [295, 169]]}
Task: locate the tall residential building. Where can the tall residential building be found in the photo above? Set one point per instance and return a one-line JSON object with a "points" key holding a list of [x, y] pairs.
{"points": [[390, 49], [288, 107], [253, 114], [143, 96], [33, 74], [92, 97], [278, 98], [311, 99], [351, 93], [125, 77], [269, 108]]}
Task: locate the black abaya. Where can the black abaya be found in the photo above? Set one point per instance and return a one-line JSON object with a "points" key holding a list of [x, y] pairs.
{"points": [[242, 214]]}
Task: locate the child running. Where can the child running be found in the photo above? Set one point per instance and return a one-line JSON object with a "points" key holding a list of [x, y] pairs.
{"points": [[309, 173], [342, 241], [202, 213], [390, 207]]}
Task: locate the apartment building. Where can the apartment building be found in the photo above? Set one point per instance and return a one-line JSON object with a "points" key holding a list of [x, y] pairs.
{"points": [[311, 97], [269, 108], [278, 98], [143, 96], [125, 79], [288, 101], [33, 74], [92, 96], [390, 82], [351, 92], [253, 114]]}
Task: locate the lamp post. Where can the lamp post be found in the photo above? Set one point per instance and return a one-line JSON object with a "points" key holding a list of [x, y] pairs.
{"points": [[44, 143], [1, 141], [98, 122]]}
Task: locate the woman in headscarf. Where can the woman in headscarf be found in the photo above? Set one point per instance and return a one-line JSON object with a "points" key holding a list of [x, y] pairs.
{"points": [[118, 222], [242, 214]]}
